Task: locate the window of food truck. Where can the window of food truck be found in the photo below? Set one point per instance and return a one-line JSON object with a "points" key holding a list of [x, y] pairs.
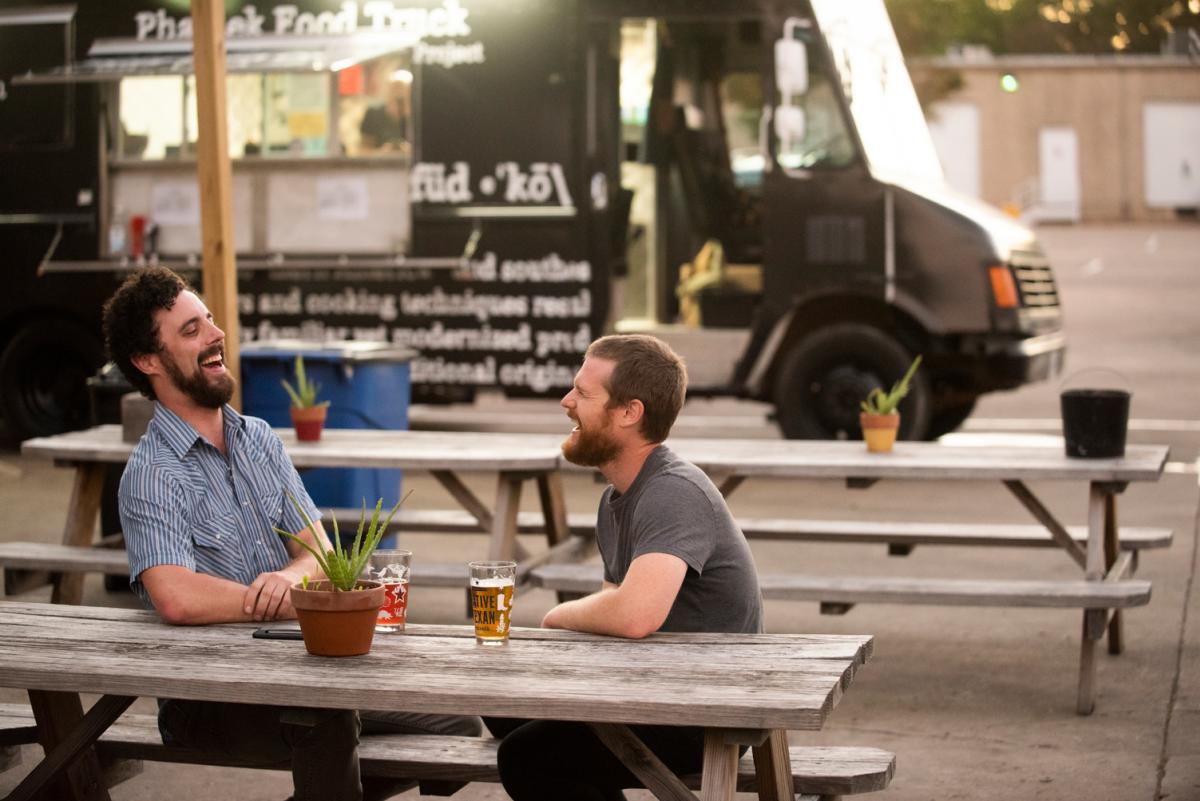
{"points": [[287, 114]]}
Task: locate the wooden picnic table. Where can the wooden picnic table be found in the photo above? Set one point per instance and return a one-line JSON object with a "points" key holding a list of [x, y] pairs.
{"points": [[515, 458], [744, 689], [730, 462]]}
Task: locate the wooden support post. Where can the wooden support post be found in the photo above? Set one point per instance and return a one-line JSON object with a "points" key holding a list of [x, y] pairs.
{"points": [[1112, 550], [554, 507], [215, 178], [643, 763], [503, 544], [82, 513], [719, 780], [1057, 530], [71, 769], [773, 768]]}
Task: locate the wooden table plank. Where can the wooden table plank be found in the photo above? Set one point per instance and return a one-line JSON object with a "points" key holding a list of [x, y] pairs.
{"points": [[733, 682]]}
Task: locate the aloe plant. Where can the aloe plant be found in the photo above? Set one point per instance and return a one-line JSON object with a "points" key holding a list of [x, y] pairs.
{"points": [[880, 402], [304, 394], [343, 567]]}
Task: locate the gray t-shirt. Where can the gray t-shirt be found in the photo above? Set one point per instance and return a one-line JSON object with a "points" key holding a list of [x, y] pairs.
{"points": [[672, 507]]}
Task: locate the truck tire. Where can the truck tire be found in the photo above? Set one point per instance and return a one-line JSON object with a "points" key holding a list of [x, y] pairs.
{"points": [[43, 378], [948, 417], [825, 377]]}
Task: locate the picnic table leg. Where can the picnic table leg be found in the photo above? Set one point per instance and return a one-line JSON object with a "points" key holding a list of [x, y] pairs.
{"points": [[554, 507], [643, 763], [773, 768], [82, 513], [66, 735], [719, 780], [1112, 549], [503, 543], [1093, 571]]}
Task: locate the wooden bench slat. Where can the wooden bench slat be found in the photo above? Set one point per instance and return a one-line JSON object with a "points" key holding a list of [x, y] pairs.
{"points": [[858, 589], [860, 531], [817, 770]]}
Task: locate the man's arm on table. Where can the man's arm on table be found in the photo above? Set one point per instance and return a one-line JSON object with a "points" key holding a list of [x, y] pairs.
{"points": [[635, 608], [185, 597]]}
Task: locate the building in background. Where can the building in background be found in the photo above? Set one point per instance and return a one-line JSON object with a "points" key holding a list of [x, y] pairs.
{"points": [[1064, 138]]}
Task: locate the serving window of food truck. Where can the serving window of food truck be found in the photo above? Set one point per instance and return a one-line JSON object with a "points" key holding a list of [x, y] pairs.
{"points": [[321, 134]]}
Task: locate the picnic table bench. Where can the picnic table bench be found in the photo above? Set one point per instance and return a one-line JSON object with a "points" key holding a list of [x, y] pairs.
{"points": [[514, 459], [817, 771], [743, 689]]}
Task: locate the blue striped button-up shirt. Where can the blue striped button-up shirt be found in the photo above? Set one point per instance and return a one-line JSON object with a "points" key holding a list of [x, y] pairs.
{"points": [[185, 503]]}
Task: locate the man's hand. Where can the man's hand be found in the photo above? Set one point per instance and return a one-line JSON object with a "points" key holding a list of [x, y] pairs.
{"points": [[269, 596]]}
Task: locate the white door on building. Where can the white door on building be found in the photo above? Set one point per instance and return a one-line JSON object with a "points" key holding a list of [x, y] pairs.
{"points": [[1058, 175], [955, 129], [1171, 138]]}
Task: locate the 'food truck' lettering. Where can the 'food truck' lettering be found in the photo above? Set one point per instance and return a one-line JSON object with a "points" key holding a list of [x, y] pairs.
{"points": [[448, 21]]}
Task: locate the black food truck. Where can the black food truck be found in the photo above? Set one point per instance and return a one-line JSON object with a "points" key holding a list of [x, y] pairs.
{"points": [[496, 184]]}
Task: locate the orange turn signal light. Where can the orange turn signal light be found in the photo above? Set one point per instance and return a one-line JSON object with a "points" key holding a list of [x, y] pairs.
{"points": [[1004, 288]]}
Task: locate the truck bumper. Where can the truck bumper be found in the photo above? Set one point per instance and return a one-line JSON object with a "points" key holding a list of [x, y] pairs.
{"points": [[1015, 362]]}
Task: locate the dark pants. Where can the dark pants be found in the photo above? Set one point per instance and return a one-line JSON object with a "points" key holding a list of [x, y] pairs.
{"points": [[320, 745], [550, 760]]}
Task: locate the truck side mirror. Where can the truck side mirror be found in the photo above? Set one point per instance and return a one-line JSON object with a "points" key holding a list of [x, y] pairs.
{"points": [[791, 67], [789, 127]]}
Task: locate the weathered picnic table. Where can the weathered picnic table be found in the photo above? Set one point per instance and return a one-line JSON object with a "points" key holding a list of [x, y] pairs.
{"points": [[1106, 586], [744, 689], [514, 458]]}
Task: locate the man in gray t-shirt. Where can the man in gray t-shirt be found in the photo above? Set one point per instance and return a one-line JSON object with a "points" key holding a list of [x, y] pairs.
{"points": [[674, 560], [673, 508]]}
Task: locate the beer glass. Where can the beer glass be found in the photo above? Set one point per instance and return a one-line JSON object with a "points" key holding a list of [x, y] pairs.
{"points": [[491, 600], [391, 568]]}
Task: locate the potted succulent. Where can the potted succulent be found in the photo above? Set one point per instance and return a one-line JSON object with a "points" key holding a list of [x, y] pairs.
{"points": [[308, 414], [337, 614], [879, 419]]}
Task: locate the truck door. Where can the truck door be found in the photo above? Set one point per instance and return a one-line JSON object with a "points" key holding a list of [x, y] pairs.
{"points": [[824, 214]]}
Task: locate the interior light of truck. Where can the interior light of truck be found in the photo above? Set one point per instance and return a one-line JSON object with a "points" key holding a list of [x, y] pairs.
{"points": [[1004, 289]]}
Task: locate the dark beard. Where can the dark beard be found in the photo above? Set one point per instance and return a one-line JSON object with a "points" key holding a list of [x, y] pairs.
{"points": [[591, 449], [197, 386]]}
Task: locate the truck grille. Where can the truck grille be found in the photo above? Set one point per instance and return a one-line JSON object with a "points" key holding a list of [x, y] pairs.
{"points": [[1035, 281]]}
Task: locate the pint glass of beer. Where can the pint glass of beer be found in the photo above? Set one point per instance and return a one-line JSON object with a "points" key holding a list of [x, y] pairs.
{"points": [[491, 600], [391, 568]]}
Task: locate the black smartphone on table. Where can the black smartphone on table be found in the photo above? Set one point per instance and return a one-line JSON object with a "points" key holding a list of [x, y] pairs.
{"points": [[277, 633]]}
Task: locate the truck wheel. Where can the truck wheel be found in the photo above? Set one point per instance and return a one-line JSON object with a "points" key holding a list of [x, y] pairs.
{"points": [[831, 371], [43, 378], [949, 417]]}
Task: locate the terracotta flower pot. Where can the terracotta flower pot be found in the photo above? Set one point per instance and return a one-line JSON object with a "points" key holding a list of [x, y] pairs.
{"points": [[309, 422], [337, 623], [879, 430]]}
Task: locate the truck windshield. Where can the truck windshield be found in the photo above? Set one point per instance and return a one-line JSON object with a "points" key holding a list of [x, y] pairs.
{"points": [[876, 84]]}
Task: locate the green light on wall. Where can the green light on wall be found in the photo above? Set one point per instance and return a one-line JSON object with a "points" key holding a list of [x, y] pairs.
{"points": [[1009, 82]]}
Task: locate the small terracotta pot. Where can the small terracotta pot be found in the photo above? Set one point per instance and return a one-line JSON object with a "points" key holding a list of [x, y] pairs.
{"points": [[879, 430], [309, 422], [337, 623]]}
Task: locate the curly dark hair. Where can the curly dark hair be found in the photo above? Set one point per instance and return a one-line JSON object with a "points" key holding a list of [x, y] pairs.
{"points": [[129, 328]]}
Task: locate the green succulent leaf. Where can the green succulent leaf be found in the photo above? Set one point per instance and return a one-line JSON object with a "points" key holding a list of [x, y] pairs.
{"points": [[343, 567], [880, 402]]}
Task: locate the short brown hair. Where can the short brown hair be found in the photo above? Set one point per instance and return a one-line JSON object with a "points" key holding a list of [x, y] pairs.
{"points": [[646, 370]]}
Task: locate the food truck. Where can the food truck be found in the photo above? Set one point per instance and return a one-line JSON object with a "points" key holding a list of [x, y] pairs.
{"points": [[494, 185]]}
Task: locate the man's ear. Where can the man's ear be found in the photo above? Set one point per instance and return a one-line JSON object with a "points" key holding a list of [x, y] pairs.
{"points": [[632, 413], [148, 363]]}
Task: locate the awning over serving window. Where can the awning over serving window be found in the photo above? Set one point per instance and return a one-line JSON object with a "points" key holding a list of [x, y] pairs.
{"points": [[113, 59]]}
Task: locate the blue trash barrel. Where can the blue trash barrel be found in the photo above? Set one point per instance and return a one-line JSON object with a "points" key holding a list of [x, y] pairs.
{"points": [[368, 386]]}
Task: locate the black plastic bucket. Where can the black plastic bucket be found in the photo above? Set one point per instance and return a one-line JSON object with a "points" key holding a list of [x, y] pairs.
{"points": [[1094, 422]]}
